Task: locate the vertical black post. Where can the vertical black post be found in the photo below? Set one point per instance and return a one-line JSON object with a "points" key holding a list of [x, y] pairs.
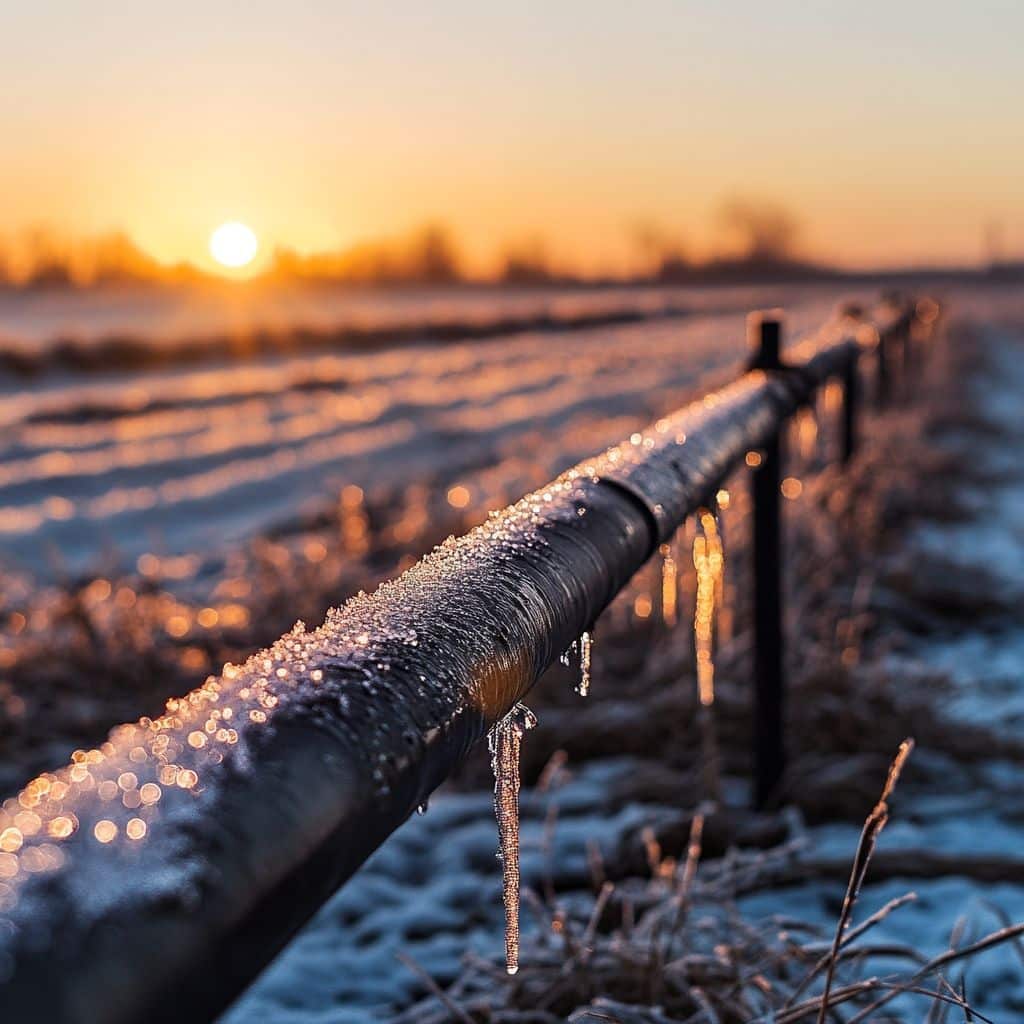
{"points": [[851, 400], [882, 384], [765, 337], [907, 363]]}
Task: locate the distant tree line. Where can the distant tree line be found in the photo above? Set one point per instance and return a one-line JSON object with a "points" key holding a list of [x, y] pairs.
{"points": [[758, 241]]}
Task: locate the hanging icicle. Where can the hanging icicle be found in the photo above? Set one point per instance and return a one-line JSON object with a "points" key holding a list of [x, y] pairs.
{"points": [[708, 561], [505, 740], [669, 585], [579, 652], [723, 606], [586, 644], [806, 425]]}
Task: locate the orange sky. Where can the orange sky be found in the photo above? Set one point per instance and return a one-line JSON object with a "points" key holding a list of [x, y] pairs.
{"points": [[889, 129]]}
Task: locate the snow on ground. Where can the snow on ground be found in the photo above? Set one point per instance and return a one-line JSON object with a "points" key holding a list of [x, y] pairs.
{"points": [[995, 978], [985, 661], [100, 468], [34, 319], [433, 891], [179, 459]]}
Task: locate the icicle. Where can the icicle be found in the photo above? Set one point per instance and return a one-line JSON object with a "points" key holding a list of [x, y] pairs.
{"points": [[504, 740], [579, 649], [586, 642], [807, 433], [723, 607], [669, 586], [708, 560]]}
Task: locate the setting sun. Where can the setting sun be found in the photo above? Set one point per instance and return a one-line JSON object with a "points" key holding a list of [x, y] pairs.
{"points": [[233, 245]]}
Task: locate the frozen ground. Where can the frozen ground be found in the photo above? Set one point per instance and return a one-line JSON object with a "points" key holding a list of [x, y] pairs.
{"points": [[157, 522], [108, 466], [433, 892], [986, 659], [99, 468], [40, 319]]}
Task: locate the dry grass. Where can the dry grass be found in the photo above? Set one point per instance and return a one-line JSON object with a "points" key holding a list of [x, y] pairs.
{"points": [[671, 946], [83, 654], [674, 948]]}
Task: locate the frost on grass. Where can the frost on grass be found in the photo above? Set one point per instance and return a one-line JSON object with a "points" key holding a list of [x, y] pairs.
{"points": [[505, 740], [721, 942]]}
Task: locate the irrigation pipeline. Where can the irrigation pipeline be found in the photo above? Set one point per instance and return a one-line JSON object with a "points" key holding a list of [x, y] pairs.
{"points": [[155, 876]]}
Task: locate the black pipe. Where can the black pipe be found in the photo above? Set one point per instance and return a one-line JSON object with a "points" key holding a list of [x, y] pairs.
{"points": [[891, 348], [152, 879], [851, 408]]}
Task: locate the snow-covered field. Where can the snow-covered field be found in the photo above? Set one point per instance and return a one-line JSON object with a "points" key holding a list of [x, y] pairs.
{"points": [[34, 321], [424, 895], [100, 468]]}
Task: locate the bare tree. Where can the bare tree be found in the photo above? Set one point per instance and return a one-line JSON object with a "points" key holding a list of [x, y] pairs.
{"points": [[435, 258], [658, 244], [767, 230], [527, 262]]}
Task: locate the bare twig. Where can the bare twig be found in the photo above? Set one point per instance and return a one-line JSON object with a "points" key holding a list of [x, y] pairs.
{"points": [[937, 963], [876, 821], [454, 1009], [851, 936]]}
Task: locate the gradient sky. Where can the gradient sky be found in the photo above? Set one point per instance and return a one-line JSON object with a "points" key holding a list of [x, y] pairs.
{"points": [[891, 129]]}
